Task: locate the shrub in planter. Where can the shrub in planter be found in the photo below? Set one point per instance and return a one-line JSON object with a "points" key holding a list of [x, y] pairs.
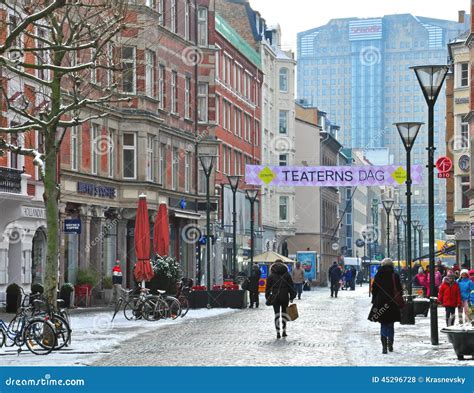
{"points": [[37, 288], [107, 283], [66, 292], [167, 274], [87, 277], [13, 298]]}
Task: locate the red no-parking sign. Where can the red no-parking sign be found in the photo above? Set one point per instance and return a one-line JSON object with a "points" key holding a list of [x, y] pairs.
{"points": [[444, 166]]}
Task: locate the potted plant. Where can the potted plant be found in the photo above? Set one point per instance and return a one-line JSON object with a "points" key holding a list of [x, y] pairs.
{"points": [[86, 279], [37, 288], [67, 294], [107, 286], [167, 274], [462, 338], [13, 298], [421, 306]]}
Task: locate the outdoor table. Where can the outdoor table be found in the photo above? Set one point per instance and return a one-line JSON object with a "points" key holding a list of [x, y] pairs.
{"points": [[219, 299]]}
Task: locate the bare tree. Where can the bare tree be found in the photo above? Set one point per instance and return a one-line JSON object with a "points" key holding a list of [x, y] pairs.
{"points": [[62, 53]]}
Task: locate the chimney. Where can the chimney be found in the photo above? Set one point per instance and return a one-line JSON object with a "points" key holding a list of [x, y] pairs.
{"points": [[461, 16]]}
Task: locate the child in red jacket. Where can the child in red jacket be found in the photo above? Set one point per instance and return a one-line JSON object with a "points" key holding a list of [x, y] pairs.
{"points": [[450, 297]]}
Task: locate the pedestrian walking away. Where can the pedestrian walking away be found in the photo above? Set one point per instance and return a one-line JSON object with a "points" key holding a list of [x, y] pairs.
{"points": [[466, 286], [278, 293], [335, 274], [386, 303], [117, 279], [297, 275], [360, 277], [449, 296], [254, 279]]}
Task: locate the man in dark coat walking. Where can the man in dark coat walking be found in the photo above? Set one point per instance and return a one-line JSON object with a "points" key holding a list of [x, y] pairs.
{"points": [[253, 285], [279, 292], [385, 308], [335, 274]]}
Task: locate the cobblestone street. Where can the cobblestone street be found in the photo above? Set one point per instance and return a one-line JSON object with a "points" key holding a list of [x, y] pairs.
{"points": [[328, 332]]}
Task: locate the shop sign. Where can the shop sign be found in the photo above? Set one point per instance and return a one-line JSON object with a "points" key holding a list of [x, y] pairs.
{"points": [[444, 166], [96, 190], [72, 226], [33, 212]]}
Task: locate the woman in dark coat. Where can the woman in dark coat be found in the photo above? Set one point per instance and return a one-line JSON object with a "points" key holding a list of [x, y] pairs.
{"points": [[253, 285], [385, 288], [279, 292]]}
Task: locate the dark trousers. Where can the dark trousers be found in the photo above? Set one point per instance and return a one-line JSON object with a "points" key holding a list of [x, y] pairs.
{"points": [[334, 287], [299, 289], [450, 315], [387, 329], [280, 311], [253, 298]]}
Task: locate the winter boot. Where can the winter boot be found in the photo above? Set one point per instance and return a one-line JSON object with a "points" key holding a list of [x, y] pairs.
{"points": [[284, 334], [278, 334], [384, 344], [390, 345]]}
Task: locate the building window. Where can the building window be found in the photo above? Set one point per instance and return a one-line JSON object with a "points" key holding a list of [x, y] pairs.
{"points": [[151, 4], [465, 192], [247, 127], [227, 65], [93, 68], [187, 172], [129, 156], [464, 142], [202, 181], [174, 15], [187, 20], [218, 62], [202, 26], [283, 127], [283, 208], [218, 110], [237, 122], [74, 148], [284, 80], [149, 73], [162, 166], [161, 11], [203, 102], [257, 133], [229, 158], [128, 69], [150, 158], [42, 55], [111, 153], [161, 87], [175, 169], [187, 98], [227, 109], [464, 75], [174, 92], [283, 160], [95, 146]]}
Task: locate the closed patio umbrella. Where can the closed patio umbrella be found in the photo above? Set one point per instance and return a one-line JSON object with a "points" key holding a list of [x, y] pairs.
{"points": [[143, 270], [161, 235]]}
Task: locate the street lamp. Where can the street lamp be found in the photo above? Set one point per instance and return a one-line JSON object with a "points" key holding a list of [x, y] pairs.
{"points": [[207, 163], [387, 205], [404, 220], [420, 239], [414, 224], [397, 212], [234, 185], [431, 79], [252, 195], [408, 132], [364, 235]]}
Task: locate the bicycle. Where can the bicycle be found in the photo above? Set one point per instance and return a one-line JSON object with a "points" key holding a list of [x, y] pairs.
{"points": [[143, 306], [184, 287], [123, 298], [37, 333], [167, 306]]}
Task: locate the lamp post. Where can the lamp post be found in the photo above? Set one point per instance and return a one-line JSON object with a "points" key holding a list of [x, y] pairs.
{"points": [[415, 223], [252, 195], [420, 239], [408, 133], [397, 212], [388, 205], [234, 185], [207, 163], [431, 79], [364, 235]]}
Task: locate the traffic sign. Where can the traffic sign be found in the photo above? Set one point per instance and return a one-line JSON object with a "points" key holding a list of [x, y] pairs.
{"points": [[444, 164]]}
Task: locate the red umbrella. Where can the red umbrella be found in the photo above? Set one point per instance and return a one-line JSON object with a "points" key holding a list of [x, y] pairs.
{"points": [[161, 236], [143, 270]]}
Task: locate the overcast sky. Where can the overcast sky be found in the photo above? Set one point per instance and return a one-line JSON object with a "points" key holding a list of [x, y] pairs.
{"points": [[299, 15]]}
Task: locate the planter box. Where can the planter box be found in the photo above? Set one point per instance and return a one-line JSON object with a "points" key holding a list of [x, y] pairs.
{"points": [[421, 306], [218, 299], [462, 340], [107, 296]]}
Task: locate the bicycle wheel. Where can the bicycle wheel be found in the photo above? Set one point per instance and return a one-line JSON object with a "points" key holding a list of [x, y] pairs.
{"points": [[174, 307], [63, 331], [162, 310], [133, 309], [117, 307], [3, 338], [39, 336], [183, 301]]}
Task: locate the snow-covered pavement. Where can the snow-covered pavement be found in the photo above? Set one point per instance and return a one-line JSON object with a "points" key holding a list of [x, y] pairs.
{"points": [[329, 332]]}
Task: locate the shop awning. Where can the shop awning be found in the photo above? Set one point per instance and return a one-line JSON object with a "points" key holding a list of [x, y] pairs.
{"points": [[271, 257]]}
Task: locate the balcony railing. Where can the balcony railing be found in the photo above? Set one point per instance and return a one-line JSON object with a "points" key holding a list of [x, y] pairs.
{"points": [[10, 180]]}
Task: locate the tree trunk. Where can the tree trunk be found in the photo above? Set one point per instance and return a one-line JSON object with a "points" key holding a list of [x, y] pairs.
{"points": [[50, 197]]}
